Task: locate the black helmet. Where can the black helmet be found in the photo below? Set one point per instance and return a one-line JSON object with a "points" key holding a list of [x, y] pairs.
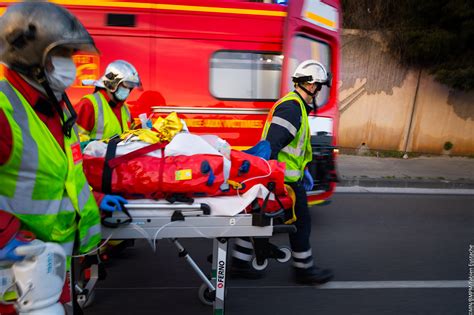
{"points": [[29, 31]]}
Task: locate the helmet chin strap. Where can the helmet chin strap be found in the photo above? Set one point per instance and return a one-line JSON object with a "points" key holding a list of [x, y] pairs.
{"points": [[307, 91], [67, 125], [313, 95]]}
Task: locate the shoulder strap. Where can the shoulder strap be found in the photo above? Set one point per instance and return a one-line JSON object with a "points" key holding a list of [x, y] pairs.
{"points": [[107, 172]]}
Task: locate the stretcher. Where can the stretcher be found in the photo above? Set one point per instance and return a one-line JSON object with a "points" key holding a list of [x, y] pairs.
{"points": [[153, 220]]}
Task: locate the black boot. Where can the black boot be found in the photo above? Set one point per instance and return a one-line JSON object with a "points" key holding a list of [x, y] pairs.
{"points": [[243, 269], [312, 275]]}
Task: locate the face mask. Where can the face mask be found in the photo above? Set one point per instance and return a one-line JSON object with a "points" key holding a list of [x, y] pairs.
{"points": [[62, 76], [122, 93]]}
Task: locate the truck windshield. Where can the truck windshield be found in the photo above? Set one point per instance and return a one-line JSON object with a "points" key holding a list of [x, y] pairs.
{"points": [[245, 75], [304, 48]]}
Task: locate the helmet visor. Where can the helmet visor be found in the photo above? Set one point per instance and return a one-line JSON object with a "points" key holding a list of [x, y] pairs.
{"points": [[78, 45], [131, 84]]}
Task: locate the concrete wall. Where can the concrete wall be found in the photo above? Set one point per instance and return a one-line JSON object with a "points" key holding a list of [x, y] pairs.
{"points": [[390, 107]]}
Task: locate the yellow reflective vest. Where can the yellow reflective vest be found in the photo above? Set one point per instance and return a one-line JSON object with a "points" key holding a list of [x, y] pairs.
{"points": [[298, 152], [106, 123], [44, 186]]}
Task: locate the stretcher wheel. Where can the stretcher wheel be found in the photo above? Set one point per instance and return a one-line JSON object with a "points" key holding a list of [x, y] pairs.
{"points": [[205, 295], [90, 299], [287, 253], [256, 266], [81, 282]]}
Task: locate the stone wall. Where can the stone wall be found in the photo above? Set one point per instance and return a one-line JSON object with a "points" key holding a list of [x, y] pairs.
{"points": [[390, 107]]}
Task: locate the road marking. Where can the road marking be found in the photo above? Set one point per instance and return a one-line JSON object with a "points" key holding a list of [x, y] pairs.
{"points": [[433, 284], [340, 285], [400, 190]]}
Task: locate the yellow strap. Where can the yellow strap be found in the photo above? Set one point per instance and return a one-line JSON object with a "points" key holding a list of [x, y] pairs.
{"points": [[292, 195], [234, 184], [316, 202]]}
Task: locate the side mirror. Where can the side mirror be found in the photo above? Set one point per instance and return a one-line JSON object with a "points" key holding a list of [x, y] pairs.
{"points": [[329, 80]]}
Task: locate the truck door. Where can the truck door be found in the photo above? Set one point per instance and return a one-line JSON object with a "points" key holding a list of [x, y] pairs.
{"points": [[312, 32]]}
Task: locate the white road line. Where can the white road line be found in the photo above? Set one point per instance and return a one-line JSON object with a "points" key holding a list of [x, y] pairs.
{"points": [[340, 285], [433, 284], [401, 190]]}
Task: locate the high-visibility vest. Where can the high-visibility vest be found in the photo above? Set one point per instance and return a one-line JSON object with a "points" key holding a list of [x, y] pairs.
{"points": [[298, 152], [106, 123], [42, 185]]}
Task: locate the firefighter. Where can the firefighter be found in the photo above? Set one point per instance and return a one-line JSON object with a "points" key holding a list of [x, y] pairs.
{"points": [[287, 130], [104, 113], [43, 183]]}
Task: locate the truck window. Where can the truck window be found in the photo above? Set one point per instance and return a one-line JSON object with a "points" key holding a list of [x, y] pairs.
{"points": [[304, 48], [124, 20], [241, 75]]}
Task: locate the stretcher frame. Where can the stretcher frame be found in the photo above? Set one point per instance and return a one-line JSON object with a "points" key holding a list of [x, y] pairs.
{"points": [[179, 220]]}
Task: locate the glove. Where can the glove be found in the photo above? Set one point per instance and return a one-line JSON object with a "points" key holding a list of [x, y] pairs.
{"points": [[307, 181], [8, 252], [112, 203]]}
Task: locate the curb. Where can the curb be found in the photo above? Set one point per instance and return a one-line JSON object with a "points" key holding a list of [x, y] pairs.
{"points": [[406, 183]]}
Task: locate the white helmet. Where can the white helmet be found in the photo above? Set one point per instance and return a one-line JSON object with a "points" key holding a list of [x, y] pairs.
{"points": [[118, 71], [311, 71]]}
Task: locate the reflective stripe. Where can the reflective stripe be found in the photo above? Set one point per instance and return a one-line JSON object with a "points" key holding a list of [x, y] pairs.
{"points": [[76, 130], [27, 206], [29, 154], [68, 247], [241, 256], [22, 202], [84, 195], [291, 150], [243, 243], [302, 255], [292, 173], [99, 133], [127, 112], [301, 141], [126, 118], [66, 204], [285, 124], [93, 230], [303, 265]]}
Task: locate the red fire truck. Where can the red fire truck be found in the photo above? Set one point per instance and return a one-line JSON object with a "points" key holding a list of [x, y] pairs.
{"points": [[220, 64]]}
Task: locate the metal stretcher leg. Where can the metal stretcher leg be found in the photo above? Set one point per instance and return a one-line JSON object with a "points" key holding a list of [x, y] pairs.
{"points": [[74, 308], [219, 270], [184, 253]]}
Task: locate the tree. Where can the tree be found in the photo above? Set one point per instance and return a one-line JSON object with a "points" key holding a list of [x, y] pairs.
{"points": [[436, 35]]}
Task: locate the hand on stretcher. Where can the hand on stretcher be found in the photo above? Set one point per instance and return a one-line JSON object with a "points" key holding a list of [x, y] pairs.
{"points": [[111, 203]]}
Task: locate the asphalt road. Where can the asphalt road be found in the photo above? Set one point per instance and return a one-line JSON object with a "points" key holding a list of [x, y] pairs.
{"points": [[391, 253]]}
